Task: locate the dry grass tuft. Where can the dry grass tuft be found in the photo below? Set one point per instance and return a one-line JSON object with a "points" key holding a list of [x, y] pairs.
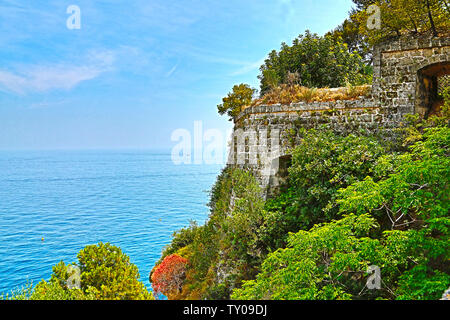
{"points": [[287, 94]]}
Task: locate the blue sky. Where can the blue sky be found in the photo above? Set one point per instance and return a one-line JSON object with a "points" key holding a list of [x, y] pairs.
{"points": [[136, 70]]}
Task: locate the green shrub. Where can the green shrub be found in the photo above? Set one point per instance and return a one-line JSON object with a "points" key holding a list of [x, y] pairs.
{"points": [[228, 243], [319, 61], [322, 163], [234, 102], [105, 274]]}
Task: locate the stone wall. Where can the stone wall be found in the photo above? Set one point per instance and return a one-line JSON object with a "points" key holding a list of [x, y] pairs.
{"points": [[405, 70], [402, 69], [263, 134]]}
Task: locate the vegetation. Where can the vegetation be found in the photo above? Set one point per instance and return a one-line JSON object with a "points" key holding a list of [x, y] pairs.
{"points": [[233, 104], [168, 276], [105, 274], [397, 17], [350, 202], [317, 61], [293, 75], [225, 250], [286, 94], [322, 163], [349, 32], [340, 58], [398, 222], [400, 16]]}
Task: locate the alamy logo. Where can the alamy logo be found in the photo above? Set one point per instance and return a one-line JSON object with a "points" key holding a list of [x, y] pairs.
{"points": [[74, 280], [374, 20], [74, 20], [257, 148], [374, 280]]}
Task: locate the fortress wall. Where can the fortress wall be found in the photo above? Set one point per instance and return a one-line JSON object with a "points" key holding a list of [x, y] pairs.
{"points": [[404, 71]]}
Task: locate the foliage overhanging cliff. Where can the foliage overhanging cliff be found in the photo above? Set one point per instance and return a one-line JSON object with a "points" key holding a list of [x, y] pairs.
{"points": [[350, 201]]}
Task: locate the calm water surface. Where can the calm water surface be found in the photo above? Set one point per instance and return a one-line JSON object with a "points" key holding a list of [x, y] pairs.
{"points": [[132, 199]]}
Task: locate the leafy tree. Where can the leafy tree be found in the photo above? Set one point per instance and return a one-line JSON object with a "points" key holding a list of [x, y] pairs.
{"points": [[404, 16], [414, 198], [322, 263], [54, 291], [398, 17], [168, 276], [349, 32], [319, 62], [233, 103], [106, 274], [107, 271]]}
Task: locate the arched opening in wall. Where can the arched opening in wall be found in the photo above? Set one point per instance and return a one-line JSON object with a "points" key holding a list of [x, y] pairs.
{"points": [[431, 81], [284, 162], [278, 178]]}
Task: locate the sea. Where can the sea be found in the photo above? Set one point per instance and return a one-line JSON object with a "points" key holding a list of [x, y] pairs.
{"points": [[54, 203]]}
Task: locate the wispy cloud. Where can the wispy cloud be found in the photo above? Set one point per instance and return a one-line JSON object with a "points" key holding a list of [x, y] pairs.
{"points": [[171, 71], [64, 76], [248, 67]]}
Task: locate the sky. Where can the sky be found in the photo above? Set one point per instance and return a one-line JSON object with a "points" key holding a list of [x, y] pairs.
{"points": [[135, 71]]}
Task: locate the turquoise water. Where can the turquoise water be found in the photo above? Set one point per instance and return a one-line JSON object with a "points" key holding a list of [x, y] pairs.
{"points": [[132, 199]]}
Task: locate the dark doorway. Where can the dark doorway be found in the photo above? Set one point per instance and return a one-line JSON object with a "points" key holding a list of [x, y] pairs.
{"points": [[284, 164], [431, 82]]}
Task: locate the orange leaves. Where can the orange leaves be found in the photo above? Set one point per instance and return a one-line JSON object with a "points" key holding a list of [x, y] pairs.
{"points": [[168, 276]]}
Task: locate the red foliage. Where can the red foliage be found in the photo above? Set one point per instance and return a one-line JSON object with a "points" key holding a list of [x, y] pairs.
{"points": [[168, 276]]}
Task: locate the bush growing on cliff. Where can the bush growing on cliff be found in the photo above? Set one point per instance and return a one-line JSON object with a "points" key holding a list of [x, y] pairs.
{"points": [[240, 96], [168, 276], [322, 163], [237, 210], [180, 239], [226, 250], [105, 274]]}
